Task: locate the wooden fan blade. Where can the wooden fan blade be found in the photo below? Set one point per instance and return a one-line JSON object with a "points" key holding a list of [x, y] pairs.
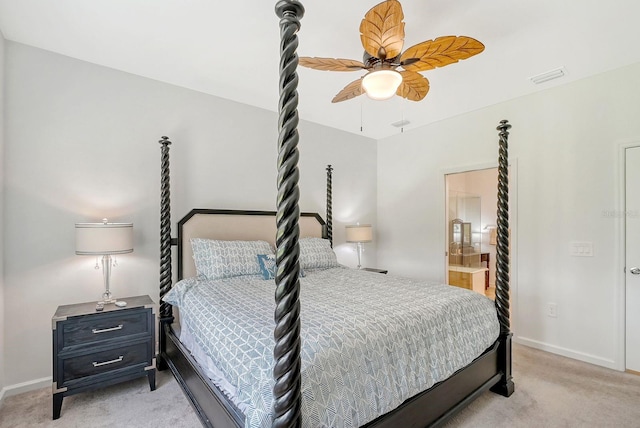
{"points": [[382, 30], [440, 52], [414, 86], [352, 90], [331, 64]]}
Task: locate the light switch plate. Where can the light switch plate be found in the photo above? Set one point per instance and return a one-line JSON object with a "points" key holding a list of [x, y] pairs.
{"points": [[581, 249]]}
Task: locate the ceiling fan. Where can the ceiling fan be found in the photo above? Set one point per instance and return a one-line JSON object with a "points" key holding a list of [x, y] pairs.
{"points": [[382, 36]]}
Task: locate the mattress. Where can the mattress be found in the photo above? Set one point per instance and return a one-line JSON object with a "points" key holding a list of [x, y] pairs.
{"points": [[369, 341]]}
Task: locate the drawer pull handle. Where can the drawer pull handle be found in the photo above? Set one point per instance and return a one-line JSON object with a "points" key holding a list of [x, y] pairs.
{"points": [[104, 363], [104, 330]]}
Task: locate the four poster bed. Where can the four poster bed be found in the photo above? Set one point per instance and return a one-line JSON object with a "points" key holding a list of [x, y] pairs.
{"points": [[346, 347]]}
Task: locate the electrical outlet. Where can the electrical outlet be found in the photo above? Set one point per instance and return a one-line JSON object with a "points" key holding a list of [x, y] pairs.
{"points": [[552, 310]]}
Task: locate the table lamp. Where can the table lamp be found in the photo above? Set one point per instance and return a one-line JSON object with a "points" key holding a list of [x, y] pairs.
{"points": [[359, 234], [104, 239]]}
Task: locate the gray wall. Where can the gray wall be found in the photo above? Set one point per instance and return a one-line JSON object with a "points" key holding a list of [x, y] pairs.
{"points": [[81, 144], [565, 146], [2, 319]]}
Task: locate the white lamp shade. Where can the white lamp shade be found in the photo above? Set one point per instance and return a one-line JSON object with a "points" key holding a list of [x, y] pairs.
{"points": [[381, 84], [104, 238], [360, 233]]}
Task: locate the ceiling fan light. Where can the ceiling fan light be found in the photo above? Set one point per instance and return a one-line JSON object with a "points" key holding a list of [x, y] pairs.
{"points": [[381, 84]]}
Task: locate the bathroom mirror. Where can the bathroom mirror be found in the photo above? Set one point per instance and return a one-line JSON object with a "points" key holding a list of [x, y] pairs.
{"points": [[464, 229], [466, 235]]}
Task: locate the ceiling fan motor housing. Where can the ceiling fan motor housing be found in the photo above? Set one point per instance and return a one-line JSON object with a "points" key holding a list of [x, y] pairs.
{"points": [[372, 62]]}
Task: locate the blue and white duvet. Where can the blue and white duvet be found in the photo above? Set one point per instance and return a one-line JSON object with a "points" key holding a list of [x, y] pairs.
{"points": [[369, 341]]}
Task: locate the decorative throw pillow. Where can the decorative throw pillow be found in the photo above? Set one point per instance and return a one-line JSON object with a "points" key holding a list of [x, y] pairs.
{"points": [[268, 266], [223, 259], [316, 253]]}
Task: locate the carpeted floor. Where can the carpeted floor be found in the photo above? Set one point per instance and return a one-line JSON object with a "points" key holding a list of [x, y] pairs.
{"points": [[551, 391], [130, 404]]}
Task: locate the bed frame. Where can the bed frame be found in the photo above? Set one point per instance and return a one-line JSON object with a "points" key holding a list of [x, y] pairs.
{"points": [[491, 370]]}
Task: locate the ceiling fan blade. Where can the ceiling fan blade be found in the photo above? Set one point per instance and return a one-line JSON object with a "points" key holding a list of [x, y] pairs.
{"points": [[331, 64], [382, 30], [439, 52], [352, 90], [414, 86]]}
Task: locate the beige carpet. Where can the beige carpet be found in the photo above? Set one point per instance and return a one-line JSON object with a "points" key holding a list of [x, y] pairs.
{"points": [[551, 391], [129, 404]]}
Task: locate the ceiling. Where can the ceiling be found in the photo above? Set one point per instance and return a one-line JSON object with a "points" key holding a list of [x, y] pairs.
{"points": [[231, 48]]}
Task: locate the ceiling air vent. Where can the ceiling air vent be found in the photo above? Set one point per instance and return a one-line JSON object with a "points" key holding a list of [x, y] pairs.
{"points": [[400, 123], [549, 75]]}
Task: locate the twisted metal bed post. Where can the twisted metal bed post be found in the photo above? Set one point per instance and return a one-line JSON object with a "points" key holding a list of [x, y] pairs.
{"points": [[166, 311], [286, 372], [329, 205], [505, 386]]}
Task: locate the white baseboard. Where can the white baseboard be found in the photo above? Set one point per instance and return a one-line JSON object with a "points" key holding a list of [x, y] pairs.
{"points": [[576, 355], [19, 388]]}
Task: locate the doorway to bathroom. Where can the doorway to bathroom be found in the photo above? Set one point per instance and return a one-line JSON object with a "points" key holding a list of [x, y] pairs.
{"points": [[471, 201]]}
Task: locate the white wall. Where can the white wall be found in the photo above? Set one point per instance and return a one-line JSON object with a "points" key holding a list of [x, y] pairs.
{"points": [[2, 320], [564, 144], [81, 144]]}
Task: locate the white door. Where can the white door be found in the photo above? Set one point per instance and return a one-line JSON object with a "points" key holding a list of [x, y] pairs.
{"points": [[632, 262]]}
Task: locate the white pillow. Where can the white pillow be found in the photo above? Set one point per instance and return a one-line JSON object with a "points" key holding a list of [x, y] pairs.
{"points": [[223, 259]]}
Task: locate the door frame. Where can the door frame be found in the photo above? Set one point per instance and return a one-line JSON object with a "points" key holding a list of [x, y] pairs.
{"points": [[620, 256], [513, 225]]}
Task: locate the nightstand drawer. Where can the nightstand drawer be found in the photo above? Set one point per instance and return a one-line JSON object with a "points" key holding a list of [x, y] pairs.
{"points": [[97, 328], [104, 361]]}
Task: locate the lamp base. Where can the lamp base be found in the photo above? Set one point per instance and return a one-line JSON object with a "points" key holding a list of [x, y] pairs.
{"points": [[107, 298]]}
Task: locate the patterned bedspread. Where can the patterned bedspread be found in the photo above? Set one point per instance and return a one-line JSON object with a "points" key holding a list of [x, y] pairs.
{"points": [[369, 341]]}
